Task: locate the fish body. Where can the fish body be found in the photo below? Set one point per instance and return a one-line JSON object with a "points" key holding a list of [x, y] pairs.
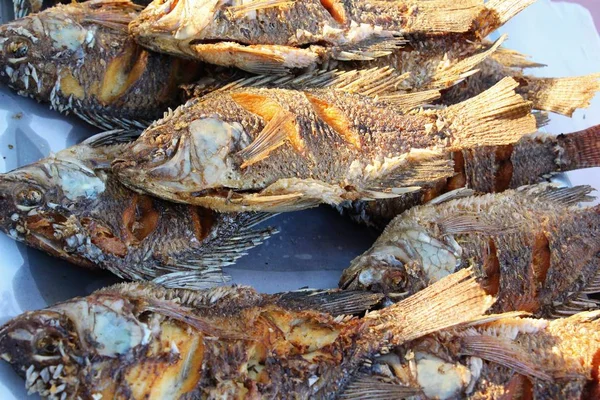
{"points": [[273, 36], [71, 206], [279, 149], [492, 169], [506, 358], [145, 342], [22, 8], [80, 59], [532, 247]]}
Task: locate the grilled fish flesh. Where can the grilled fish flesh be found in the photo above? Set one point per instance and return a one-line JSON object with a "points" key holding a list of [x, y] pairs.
{"points": [[79, 58], [145, 342], [280, 150], [274, 36], [533, 248], [71, 206], [506, 358], [490, 170]]}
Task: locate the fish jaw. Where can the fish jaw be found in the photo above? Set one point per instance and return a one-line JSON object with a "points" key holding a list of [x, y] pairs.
{"points": [[41, 347]]}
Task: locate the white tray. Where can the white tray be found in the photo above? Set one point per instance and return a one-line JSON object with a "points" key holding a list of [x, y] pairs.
{"points": [[313, 246]]}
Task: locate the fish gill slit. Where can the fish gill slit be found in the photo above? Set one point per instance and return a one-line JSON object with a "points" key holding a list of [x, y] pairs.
{"points": [[203, 220], [504, 169], [592, 388], [519, 387], [140, 219], [491, 269], [335, 118], [540, 259], [459, 179]]}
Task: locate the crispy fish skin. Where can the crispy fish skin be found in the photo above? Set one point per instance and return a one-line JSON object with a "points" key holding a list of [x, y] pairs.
{"points": [[278, 35], [492, 169], [278, 149], [79, 58], [142, 341], [71, 206], [506, 358], [532, 247]]}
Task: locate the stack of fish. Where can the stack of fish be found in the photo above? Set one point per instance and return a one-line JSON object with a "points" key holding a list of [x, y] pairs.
{"points": [[222, 113]]}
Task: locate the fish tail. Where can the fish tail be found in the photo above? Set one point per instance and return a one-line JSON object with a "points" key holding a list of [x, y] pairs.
{"points": [[452, 301], [499, 12], [560, 95], [496, 117], [579, 149]]}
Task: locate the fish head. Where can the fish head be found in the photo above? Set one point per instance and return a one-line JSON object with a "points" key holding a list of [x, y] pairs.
{"points": [[59, 348], [404, 259], [42, 346], [42, 204], [41, 53], [189, 156]]}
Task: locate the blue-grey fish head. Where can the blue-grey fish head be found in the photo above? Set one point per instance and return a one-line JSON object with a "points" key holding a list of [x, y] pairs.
{"points": [[67, 347], [42, 204]]}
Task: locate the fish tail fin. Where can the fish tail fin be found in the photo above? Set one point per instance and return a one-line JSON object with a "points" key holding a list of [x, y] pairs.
{"points": [[561, 95], [568, 196], [495, 117], [580, 149], [452, 301], [513, 59], [442, 16], [499, 12]]}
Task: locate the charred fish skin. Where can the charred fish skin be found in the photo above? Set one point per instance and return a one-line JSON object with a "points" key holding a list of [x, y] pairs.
{"points": [[71, 206], [80, 60], [536, 358], [280, 150], [275, 36], [144, 341], [532, 247], [492, 169]]}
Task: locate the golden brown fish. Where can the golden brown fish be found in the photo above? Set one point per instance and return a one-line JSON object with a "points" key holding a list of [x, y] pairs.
{"points": [[273, 36], [277, 149], [533, 248], [71, 206], [506, 358], [492, 169], [139, 341], [79, 58]]}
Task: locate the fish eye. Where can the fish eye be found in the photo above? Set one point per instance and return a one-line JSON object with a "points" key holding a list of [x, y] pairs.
{"points": [[29, 197], [46, 346], [18, 48]]}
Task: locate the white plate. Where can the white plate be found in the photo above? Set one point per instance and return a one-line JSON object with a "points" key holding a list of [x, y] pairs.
{"points": [[313, 246]]}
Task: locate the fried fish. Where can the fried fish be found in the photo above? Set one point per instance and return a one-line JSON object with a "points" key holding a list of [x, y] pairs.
{"points": [[80, 59], [506, 358], [141, 341], [274, 36], [22, 8], [491, 169], [280, 150], [71, 206], [533, 248]]}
